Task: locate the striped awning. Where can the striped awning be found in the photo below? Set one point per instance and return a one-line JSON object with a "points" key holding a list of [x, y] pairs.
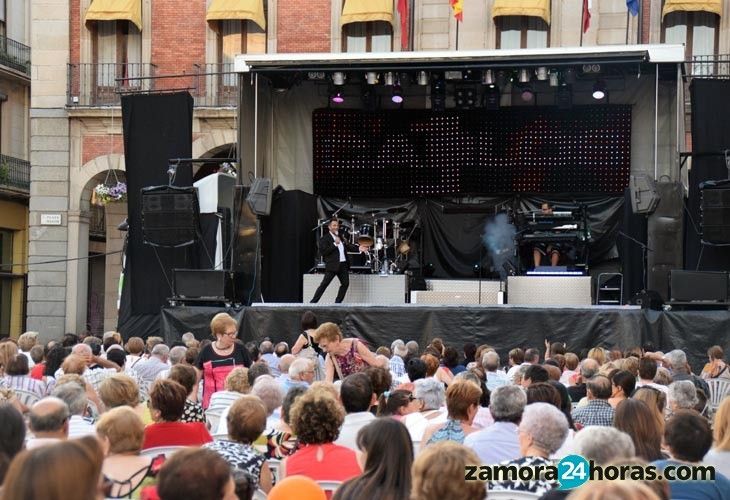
{"points": [[532, 8], [362, 11], [115, 10], [711, 6], [225, 10]]}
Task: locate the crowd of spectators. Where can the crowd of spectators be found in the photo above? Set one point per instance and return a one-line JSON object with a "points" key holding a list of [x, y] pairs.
{"points": [[331, 417]]}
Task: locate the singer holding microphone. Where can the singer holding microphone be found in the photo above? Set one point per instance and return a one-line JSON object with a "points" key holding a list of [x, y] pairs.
{"points": [[334, 253]]}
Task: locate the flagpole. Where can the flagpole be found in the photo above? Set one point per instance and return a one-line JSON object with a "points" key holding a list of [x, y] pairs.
{"points": [[457, 33], [628, 19], [582, 23]]}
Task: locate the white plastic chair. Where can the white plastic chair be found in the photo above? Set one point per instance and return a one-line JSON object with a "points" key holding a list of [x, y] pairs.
{"points": [[259, 494], [168, 451], [511, 495], [330, 486], [275, 468], [212, 418], [220, 436], [719, 390], [28, 398]]}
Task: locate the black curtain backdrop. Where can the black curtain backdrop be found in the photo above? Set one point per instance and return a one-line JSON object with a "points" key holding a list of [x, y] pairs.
{"points": [[157, 127], [288, 245], [710, 133]]}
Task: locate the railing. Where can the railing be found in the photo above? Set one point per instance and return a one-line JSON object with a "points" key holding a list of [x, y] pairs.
{"points": [[15, 55], [101, 84], [14, 173], [710, 66], [216, 85], [97, 223]]}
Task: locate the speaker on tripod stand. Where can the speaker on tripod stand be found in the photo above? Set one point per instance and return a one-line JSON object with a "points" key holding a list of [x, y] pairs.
{"points": [[170, 216]]}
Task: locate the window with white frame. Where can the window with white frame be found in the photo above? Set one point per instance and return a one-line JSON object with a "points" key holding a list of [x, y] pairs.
{"points": [[522, 32], [699, 33], [372, 36]]}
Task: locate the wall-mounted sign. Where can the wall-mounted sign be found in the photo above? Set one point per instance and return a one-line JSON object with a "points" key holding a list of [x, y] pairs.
{"points": [[50, 219]]}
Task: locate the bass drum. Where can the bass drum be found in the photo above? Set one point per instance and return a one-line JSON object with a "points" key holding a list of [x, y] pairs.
{"points": [[366, 235]]}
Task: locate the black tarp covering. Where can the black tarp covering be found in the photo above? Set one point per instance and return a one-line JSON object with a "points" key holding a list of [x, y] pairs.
{"points": [[503, 327]]}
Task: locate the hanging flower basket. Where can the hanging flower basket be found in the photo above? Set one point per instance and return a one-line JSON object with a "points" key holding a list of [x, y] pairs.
{"points": [[109, 193]]}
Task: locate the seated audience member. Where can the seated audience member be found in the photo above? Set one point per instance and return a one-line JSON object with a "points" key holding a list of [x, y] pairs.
{"points": [[655, 399], [438, 473], [597, 411], [647, 372], [280, 441], [688, 438], [48, 421], [70, 469], [677, 361], [462, 404], [397, 404], [430, 394], [75, 398], [118, 357], [499, 441], [357, 396], [38, 356], [542, 431], [396, 364], [415, 370], [54, 359], [450, 361], [636, 419], [256, 370], [603, 444], [622, 387], [157, 362], [26, 342], [570, 370], [284, 364], [495, 376], [625, 490], [122, 390], [386, 456], [135, 351], [300, 374], [682, 396], [12, 436], [534, 374], [266, 348], [483, 418], [588, 369], [176, 357], [380, 380], [246, 422], [103, 368], [121, 432], [196, 473], [187, 377], [719, 455], [316, 418], [716, 367], [300, 487], [17, 377], [236, 385], [435, 370], [167, 404]]}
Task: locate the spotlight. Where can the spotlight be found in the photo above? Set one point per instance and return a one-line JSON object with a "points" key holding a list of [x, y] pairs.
{"points": [[524, 75], [438, 93], [338, 97], [338, 78], [599, 90], [554, 79], [542, 73], [465, 97], [491, 98], [397, 94], [564, 97], [527, 94], [371, 77], [388, 78], [488, 77], [422, 78]]}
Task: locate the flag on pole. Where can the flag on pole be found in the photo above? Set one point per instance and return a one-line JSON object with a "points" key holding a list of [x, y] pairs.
{"points": [[458, 8], [403, 12], [633, 6], [586, 15]]}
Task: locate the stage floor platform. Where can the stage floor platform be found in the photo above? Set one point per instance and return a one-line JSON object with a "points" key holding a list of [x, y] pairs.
{"points": [[501, 326]]}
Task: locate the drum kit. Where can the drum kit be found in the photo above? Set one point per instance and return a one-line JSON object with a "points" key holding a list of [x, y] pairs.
{"points": [[387, 240]]}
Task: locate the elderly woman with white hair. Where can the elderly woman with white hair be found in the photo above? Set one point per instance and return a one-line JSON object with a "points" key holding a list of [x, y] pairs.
{"points": [[541, 433], [431, 395], [682, 395]]}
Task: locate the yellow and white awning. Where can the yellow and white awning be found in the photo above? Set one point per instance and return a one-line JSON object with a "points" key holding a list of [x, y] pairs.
{"points": [[362, 11], [532, 8], [115, 10], [225, 10], [711, 6]]}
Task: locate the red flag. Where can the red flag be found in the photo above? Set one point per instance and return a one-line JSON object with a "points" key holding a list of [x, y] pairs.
{"points": [[458, 8], [586, 15], [403, 12]]}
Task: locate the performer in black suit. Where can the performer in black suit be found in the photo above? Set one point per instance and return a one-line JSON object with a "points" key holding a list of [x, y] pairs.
{"points": [[334, 251]]}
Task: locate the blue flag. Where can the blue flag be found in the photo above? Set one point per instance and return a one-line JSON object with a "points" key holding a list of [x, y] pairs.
{"points": [[633, 6]]}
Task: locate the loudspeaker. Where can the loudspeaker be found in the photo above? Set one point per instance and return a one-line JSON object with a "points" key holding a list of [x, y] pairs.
{"points": [[698, 286], [170, 216], [204, 283], [259, 196], [715, 212], [644, 197], [665, 237], [648, 299]]}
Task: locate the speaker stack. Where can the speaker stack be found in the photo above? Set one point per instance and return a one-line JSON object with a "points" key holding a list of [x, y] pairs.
{"points": [[170, 216], [715, 212]]}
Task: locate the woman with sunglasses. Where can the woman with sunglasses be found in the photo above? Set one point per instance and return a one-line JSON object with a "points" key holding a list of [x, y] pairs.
{"points": [[398, 404]]}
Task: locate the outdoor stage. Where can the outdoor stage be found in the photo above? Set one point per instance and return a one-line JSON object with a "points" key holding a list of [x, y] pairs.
{"points": [[503, 327]]}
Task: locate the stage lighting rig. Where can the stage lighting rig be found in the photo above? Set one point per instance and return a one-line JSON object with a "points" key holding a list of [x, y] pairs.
{"points": [[599, 90]]}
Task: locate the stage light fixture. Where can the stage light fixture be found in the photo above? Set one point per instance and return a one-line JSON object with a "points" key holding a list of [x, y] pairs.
{"points": [[438, 93], [599, 90], [397, 94], [554, 78], [488, 77], [454, 75], [491, 98], [371, 77], [338, 78], [388, 79], [569, 76], [564, 97], [524, 75], [337, 97], [465, 97], [527, 94], [542, 73], [422, 78], [501, 79]]}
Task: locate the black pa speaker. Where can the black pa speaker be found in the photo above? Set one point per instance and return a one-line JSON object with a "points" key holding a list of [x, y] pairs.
{"points": [[170, 216], [648, 299], [698, 286], [259, 196], [204, 283], [715, 212], [644, 197]]}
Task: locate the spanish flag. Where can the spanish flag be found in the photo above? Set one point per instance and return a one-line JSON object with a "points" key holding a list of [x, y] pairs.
{"points": [[458, 7]]}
